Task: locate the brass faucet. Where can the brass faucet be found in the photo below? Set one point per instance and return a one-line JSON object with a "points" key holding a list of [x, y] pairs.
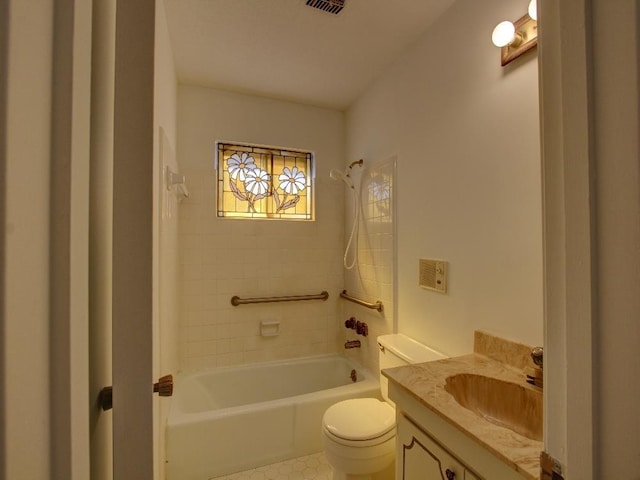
{"points": [[534, 375], [536, 356]]}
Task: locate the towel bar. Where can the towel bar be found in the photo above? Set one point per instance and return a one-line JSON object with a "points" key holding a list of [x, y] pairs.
{"points": [[235, 300], [375, 306]]}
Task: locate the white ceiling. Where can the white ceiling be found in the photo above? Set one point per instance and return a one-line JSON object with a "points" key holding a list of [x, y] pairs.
{"points": [[285, 49]]}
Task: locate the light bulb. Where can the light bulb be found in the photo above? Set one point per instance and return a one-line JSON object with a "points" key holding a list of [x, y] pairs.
{"points": [[533, 9], [504, 34]]}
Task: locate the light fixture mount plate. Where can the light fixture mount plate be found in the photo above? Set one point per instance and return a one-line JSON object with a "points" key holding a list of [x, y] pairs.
{"points": [[527, 31]]}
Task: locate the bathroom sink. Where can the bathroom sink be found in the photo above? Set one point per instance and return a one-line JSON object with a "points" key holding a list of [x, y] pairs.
{"points": [[506, 404]]}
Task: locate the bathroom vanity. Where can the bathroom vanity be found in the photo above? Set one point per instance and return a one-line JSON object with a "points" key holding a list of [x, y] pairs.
{"points": [[439, 438], [420, 456]]}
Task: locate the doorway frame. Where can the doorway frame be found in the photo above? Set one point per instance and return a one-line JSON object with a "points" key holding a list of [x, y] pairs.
{"points": [[133, 194], [590, 114], [568, 233], [569, 219]]}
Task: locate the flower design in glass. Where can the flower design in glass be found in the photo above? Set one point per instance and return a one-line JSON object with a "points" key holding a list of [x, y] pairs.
{"points": [[292, 181], [240, 165], [379, 186], [257, 182], [264, 182]]}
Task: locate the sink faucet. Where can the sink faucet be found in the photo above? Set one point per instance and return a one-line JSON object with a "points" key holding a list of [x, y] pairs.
{"points": [[536, 356], [352, 344], [534, 375]]}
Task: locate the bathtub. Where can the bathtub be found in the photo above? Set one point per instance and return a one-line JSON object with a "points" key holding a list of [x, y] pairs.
{"points": [[232, 419]]}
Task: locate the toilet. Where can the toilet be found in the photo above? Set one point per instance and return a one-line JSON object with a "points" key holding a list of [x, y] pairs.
{"points": [[359, 435]]}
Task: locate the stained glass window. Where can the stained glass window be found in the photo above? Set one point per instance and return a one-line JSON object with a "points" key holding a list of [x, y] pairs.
{"points": [[264, 182], [378, 196]]}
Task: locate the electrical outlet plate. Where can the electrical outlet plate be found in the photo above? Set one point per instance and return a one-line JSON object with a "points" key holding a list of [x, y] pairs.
{"points": [[433, 275]]}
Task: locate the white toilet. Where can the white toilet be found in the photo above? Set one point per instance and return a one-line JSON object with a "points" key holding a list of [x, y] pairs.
{"points": [[359, 435]]}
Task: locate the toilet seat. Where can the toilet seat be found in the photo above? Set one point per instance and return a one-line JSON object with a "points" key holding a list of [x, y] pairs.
{"points": [[360, 422]]}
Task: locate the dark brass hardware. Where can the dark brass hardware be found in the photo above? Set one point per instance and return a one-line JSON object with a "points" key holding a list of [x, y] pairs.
{"points": [[105, 398], [354, 376], [352, 344], [537, 356], [164, 388], [534, 374], [361, 328], [451, 475]]}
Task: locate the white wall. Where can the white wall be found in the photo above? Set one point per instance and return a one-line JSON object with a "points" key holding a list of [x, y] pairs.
{"points": [[465, 131], [223, 257]]}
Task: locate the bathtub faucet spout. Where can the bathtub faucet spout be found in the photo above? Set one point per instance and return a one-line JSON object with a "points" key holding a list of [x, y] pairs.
{"points": [[352, 344]]}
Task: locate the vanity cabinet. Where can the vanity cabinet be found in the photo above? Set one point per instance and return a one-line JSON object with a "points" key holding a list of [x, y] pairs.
{"points": [[427, 445], [419, 457]]}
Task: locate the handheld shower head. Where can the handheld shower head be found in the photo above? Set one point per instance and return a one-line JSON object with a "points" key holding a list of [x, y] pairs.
{"points": [[336, 174], [345, 176]]}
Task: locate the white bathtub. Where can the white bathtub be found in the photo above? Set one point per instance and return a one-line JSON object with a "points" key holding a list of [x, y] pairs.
{"points": [[232, 419]]}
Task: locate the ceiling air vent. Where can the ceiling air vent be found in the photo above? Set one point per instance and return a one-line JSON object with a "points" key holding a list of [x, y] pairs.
{"points": [[331, 6]]}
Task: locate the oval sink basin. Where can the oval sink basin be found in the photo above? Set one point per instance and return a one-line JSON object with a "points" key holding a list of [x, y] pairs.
{"points": [[506, 404]]}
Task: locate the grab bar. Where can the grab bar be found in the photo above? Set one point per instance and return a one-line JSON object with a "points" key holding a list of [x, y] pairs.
{"points": [[235, 300], [375, 306]]}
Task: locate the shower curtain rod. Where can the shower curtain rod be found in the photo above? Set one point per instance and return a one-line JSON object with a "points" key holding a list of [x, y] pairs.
{"points": [[235, 300]]}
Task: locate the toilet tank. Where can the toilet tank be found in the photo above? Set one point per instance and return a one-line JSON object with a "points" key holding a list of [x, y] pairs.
{"points": [[395, 350]]}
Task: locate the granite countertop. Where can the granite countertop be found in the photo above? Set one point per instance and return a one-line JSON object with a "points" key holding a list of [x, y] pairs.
{"points": [[426, 383]]}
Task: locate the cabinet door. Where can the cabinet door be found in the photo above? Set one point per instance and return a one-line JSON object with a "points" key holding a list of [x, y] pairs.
{"points": [[470, 476], [420, 458]]}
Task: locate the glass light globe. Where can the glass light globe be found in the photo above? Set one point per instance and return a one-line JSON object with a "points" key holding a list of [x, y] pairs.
{"points": [[503, 34], [533, 9]]}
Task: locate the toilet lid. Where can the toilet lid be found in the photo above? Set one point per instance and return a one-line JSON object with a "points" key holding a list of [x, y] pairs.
{"points": [[359, 419]]}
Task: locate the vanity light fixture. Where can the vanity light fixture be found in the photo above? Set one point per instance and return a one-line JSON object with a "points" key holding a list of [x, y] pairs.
{"points": [[516, 38]]}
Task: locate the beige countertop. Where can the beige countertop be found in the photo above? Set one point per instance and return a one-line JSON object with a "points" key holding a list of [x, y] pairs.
{"points": [[426, 383]]}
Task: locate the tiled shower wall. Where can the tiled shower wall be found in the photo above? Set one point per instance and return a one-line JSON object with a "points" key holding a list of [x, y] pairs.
{"points": [[254, 258], [222, 257], [373, 278]]}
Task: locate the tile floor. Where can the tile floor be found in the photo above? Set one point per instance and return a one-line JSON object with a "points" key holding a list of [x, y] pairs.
{"points": [[311, 467]]}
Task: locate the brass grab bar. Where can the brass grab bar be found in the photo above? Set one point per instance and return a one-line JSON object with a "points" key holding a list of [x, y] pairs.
{"points": [[375, 306], [235, 300]]}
